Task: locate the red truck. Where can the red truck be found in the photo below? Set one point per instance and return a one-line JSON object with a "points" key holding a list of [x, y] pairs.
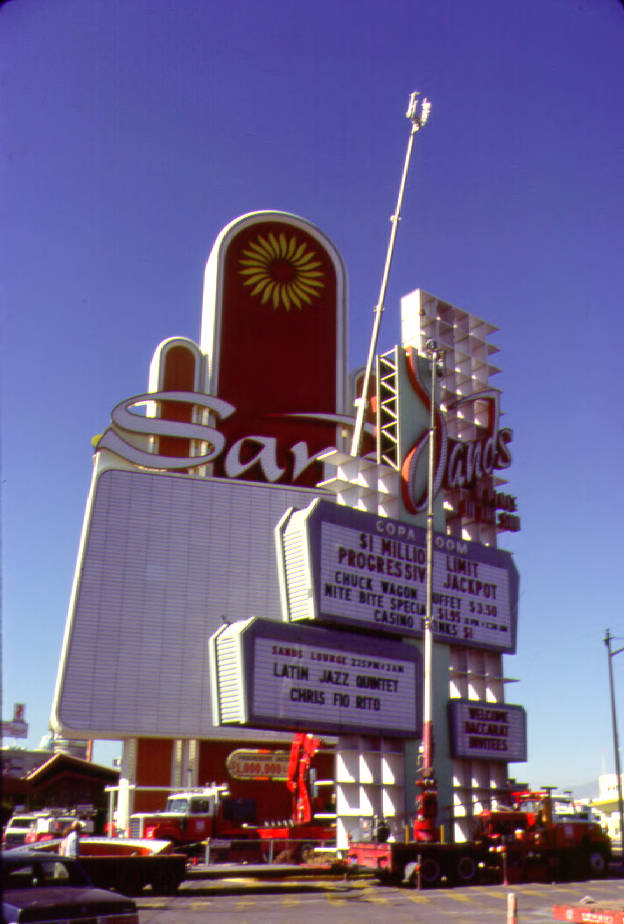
{"points": [[521, 843], [209, 817]]}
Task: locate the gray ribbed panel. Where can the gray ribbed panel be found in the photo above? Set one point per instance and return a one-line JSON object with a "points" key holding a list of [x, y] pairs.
{"points": [[166, 558]]}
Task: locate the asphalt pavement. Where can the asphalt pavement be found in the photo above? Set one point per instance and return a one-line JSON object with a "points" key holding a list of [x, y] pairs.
{"points": [[296, 895]]}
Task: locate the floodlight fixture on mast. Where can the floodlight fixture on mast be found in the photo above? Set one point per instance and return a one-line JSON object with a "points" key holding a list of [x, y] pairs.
{"points": [[417, 113]]}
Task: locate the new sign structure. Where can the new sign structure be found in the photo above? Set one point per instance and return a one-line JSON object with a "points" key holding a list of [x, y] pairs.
{"points": [[342, 565], [270, 675], [487, 731]]}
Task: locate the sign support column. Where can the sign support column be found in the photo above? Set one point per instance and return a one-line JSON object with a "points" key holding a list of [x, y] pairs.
{"points": [[435, 354]]}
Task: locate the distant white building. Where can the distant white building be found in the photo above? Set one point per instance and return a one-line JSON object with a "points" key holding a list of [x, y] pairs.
{"points": [[607, 804]]}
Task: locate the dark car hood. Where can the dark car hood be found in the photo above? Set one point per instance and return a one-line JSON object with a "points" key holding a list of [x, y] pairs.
{"points": [[69, 896]]}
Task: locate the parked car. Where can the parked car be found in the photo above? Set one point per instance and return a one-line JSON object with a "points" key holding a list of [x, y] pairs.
{"points": [[38, 887]]}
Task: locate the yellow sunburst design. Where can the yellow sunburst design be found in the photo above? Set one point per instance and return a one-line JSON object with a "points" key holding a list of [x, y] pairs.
{"points": [[282, 271]]}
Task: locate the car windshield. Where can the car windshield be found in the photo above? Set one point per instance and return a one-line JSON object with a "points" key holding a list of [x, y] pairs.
{"points": [[177, 805], [48, 871], [201, 806], [20, 822]]}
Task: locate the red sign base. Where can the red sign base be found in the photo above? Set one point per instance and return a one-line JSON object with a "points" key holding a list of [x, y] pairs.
{"points": [[588, 914]]}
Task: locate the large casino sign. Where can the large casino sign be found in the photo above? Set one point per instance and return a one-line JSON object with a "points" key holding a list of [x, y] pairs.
{"points": [[266, 397], [192, 475]]}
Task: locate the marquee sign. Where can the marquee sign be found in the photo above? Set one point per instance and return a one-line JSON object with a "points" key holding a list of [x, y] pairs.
{"points": [[487, 731], [276, 676], [342, 565]]}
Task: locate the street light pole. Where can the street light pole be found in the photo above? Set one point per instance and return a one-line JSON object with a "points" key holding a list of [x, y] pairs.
{"points": [[616, 747], [425, 825], [435, 354]]}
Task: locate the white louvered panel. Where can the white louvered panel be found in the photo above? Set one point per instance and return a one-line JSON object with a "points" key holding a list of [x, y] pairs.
{"points": [[297, 570], [229, 670]]}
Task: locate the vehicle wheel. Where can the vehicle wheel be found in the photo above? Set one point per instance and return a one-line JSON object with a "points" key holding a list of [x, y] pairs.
{"points": [[430, 871], [466, 870], [307, 853], [597, 864]]}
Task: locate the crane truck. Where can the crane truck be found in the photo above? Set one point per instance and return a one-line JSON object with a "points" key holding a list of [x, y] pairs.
{"points": [[522, 841], [209, 816]]}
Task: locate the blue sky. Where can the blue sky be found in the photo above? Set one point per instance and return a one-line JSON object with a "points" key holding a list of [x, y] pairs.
{"points": [[133, 131]]}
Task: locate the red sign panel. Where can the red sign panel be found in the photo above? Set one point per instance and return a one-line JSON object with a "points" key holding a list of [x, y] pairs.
{"points": [[276, 348]]}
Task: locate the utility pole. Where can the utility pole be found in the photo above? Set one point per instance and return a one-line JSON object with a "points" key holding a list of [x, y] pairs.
{"points": [[616, 747]]}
